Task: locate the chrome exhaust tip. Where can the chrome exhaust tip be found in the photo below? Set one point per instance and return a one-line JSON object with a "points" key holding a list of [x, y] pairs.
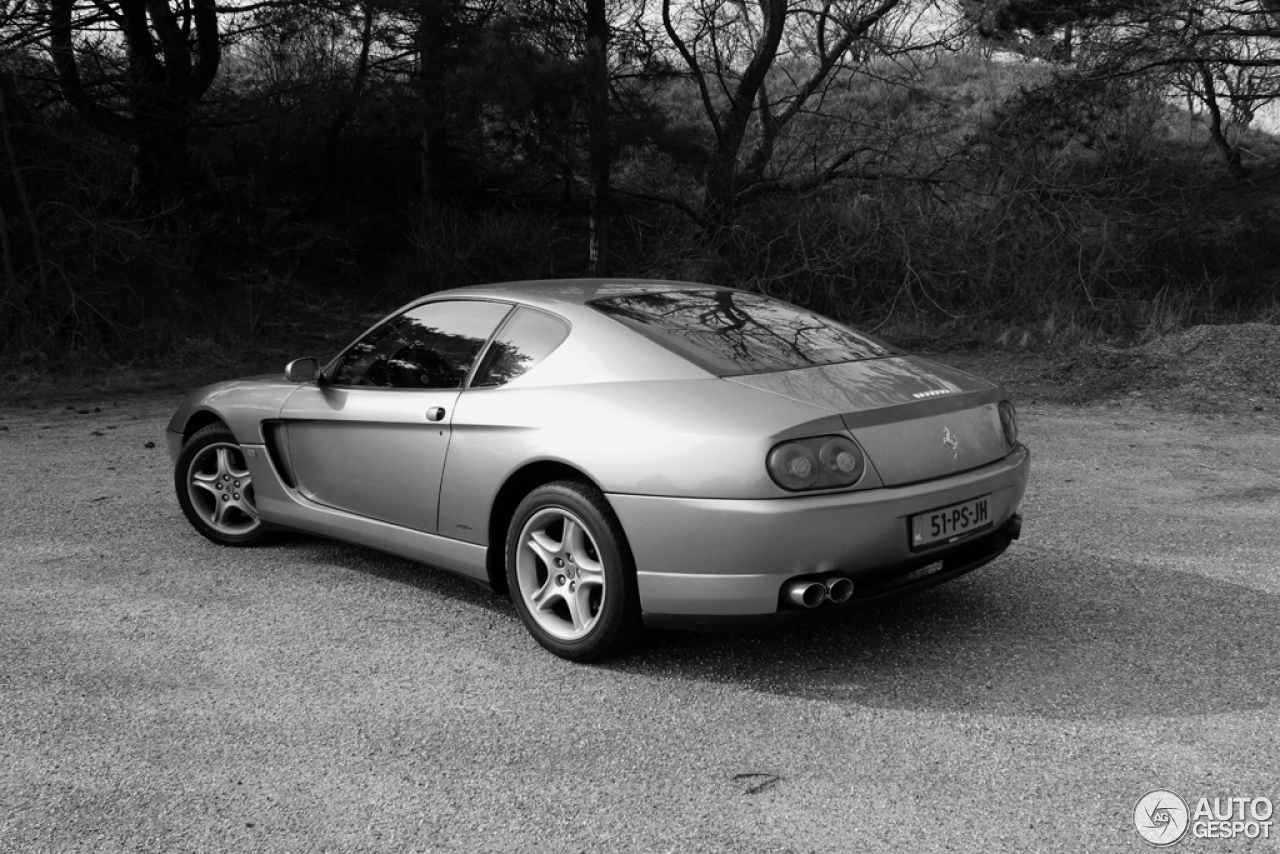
{"points": [[1013, 528], [839, 588], [806, 594]]}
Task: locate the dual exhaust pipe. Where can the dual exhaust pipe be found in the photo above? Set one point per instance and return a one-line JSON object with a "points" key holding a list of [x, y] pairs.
{"points": [[812, 592]]}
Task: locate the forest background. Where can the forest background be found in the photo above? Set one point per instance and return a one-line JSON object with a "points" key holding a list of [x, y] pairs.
{"points": [[191, 183]]}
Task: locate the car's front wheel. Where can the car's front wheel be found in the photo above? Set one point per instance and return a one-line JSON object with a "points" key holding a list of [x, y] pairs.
{"points": [[215, 488], [571, 574]]}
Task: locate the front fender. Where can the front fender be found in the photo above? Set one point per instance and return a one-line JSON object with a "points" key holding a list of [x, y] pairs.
{"points": [[241, 404]]}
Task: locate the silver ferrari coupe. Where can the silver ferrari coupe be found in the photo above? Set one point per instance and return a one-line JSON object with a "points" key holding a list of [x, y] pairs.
{"points": [[619, 454]]}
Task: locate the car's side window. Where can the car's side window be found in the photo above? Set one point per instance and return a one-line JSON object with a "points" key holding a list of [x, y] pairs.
{"points": [[528, 338], [429, 346]]}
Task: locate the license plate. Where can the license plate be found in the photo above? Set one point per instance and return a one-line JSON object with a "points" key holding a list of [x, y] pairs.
{"points": [[951, 523]]}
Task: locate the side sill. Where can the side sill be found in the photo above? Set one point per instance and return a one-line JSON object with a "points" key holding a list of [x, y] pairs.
{"points": [[286, 509]]}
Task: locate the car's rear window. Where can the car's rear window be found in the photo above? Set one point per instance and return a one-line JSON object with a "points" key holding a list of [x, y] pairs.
{"points": [[731, 333]]}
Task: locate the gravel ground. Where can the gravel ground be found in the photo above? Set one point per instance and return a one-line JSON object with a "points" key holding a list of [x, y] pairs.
{"points": [[161, 694], [1215, 369]]}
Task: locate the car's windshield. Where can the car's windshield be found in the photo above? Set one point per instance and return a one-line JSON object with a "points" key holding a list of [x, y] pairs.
{"points": [[731, 333]]}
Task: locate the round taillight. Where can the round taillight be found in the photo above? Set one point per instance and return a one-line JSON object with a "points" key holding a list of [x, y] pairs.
{"points": [[793, 466], [819, 462], [841, 459], [1009, 423]]}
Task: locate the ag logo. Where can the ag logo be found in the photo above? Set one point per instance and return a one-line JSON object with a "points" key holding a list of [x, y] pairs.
{"points": [[1161, 817]]}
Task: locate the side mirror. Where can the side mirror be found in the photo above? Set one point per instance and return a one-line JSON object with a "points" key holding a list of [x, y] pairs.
{"points": [[302, 370]]}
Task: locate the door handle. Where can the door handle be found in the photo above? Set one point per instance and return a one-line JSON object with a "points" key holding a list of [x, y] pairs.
{"points": [[435, 413]]}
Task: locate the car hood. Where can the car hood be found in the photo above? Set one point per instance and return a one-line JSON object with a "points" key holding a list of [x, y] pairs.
{"points": [[916, 419]]}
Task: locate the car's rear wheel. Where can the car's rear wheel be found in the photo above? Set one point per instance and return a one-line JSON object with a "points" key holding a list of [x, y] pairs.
{"points": [[571, 574], [215, 488]]}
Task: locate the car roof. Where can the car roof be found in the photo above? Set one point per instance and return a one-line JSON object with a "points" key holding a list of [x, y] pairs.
{"points": [[553, 293], [600, 349]]}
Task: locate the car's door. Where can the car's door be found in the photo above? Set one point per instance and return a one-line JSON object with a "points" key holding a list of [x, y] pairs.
{"points": [[370, 436]]}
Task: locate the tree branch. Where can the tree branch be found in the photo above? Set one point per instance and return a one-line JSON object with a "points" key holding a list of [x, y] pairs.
{"points": [[684, 207], [694, 68]]}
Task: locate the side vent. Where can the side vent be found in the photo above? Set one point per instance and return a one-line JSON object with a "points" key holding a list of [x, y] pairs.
{"points": [[277, 438]]}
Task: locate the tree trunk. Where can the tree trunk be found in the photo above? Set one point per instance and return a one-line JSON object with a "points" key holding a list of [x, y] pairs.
{"points": [[433, 141], [1230, 153], [351, 100], [719, 189], [599, 147], [28, 213], [162, 159]]}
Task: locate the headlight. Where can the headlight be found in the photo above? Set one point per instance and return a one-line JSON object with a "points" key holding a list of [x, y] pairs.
{"points": [[1009, 422], [821, 462]]}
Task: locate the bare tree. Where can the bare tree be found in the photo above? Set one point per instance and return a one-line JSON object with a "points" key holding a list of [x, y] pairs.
{"points": [[1223, 55], [171, 57], [759, 66]]}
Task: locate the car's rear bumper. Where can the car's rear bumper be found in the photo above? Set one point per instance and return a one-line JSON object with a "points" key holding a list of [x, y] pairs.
{"points": [[975, 554], [710, 562]]}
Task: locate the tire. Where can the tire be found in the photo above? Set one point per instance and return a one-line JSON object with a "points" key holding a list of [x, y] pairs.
{"points": [[571, 574], [215, 488]]}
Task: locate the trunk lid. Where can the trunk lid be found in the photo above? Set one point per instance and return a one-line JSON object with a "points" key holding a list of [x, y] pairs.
{"points": [[916, 419]]}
